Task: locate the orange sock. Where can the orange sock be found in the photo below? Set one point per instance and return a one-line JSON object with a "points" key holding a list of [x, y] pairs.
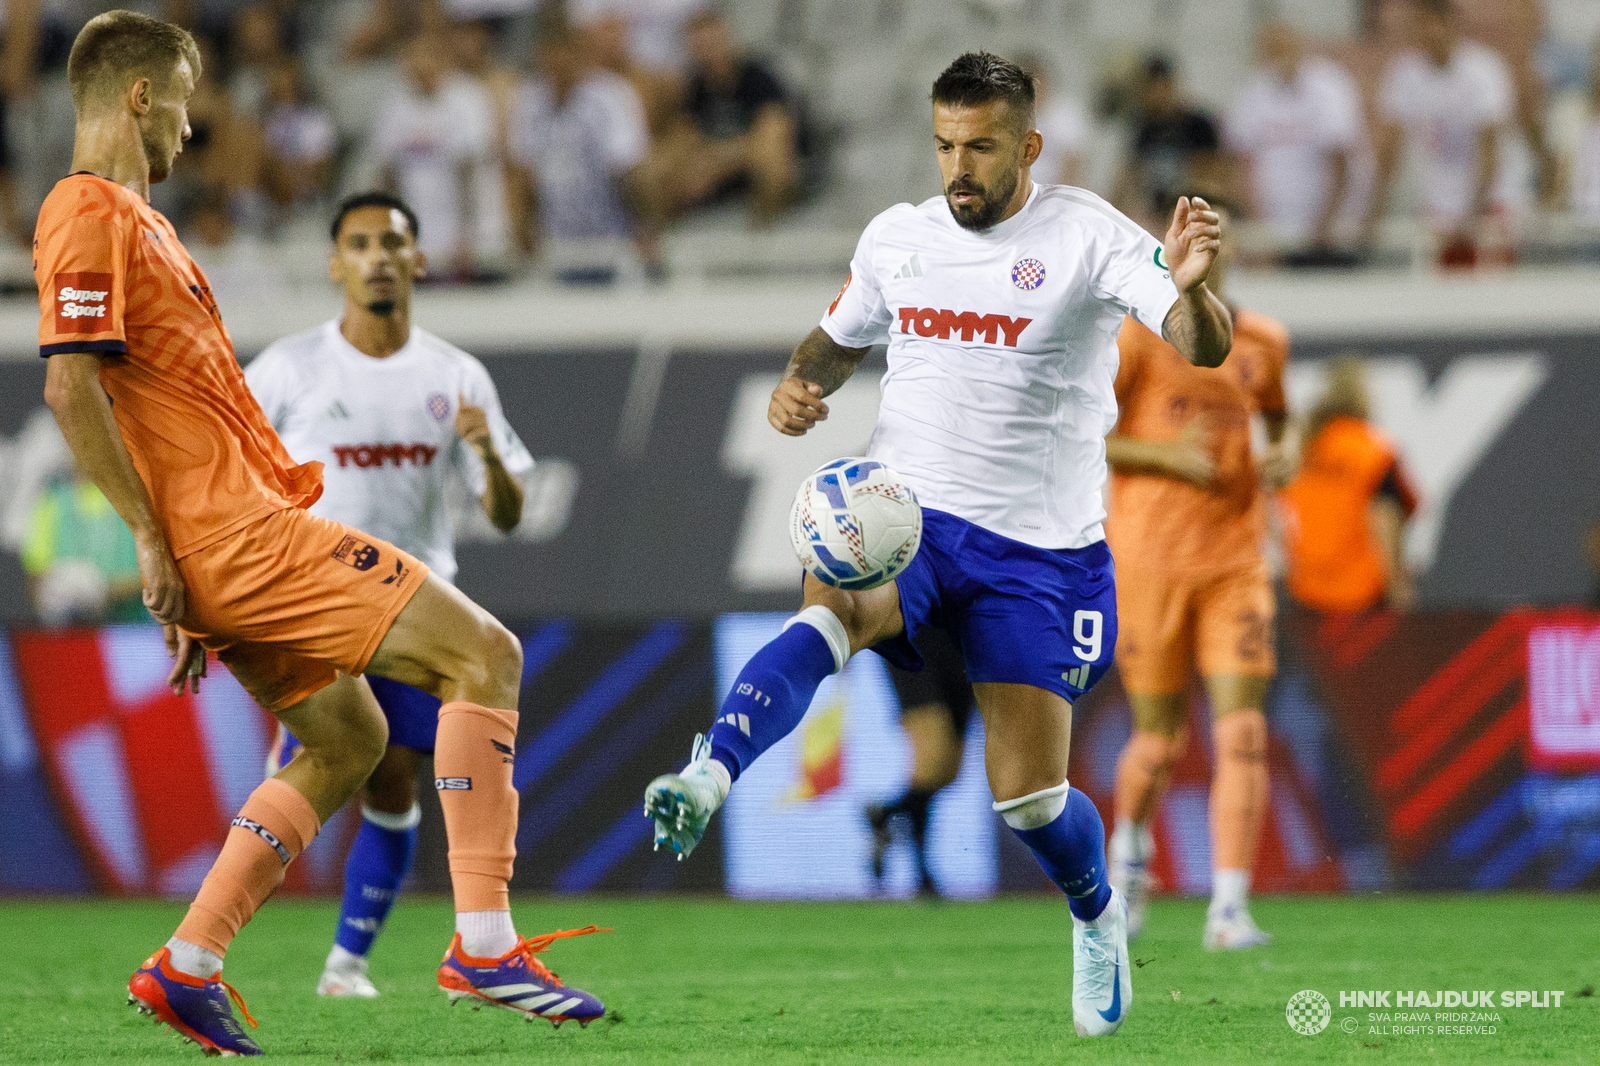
{"points": [[275, 824], [1238, 789], [473, 757]]}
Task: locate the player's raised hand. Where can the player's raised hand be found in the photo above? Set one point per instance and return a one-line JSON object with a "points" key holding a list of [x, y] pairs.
{"points": [[164, 593], [796, 406], [1193, 241], [472, 425], [189, 660]]}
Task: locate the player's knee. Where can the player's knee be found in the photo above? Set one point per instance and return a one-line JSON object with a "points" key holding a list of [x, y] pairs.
{"points": [[1242, 735], [1159, 752]]}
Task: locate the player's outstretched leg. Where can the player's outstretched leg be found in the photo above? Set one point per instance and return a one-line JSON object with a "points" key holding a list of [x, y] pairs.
{"points": [[1029, 735], [767, 701], [343, 735], [1239, 787], [445, 644], [1143, 772]]}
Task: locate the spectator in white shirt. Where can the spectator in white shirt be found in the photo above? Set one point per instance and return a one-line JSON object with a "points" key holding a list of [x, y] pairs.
{"points": [[578, 134], [657, 30], [1451, 102], [1297, 126], [300, 136], [431, 138]]}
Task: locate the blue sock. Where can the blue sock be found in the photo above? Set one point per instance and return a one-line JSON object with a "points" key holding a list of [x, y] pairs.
{"points": [[1072, 850], [379, 859], [772, 693]]}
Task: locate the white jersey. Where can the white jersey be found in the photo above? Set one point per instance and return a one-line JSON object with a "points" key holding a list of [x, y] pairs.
{"points": [[1003, 354], [384, 431]]}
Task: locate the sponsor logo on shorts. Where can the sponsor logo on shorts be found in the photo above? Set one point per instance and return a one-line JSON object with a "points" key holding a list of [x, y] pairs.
{"points": [[353, 551], [453, 784], [250, 825], [82, 302]]}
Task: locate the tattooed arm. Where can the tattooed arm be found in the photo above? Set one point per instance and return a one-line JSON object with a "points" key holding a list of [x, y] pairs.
{"points": [[1199, 324], [817, 369]]}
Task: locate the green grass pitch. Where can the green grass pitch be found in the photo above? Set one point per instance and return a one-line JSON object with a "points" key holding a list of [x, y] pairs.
{"points": [[706, 981]]}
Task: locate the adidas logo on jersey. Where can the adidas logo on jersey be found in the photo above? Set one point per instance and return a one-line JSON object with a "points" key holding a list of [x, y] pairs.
{"points": [[741, 721], [336, 410], [937, 322], [912, 268]]}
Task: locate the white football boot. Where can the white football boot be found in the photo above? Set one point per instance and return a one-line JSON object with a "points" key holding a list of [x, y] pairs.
{"points": [[1102, 986], [344, 976], [682, 803], [1231, 928], [1128, 858]]}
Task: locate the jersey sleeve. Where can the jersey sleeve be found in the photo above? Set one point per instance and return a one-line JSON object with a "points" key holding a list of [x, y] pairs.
{"points": [[81, 268], [1132, 272], [479, 391], [858, 316]]}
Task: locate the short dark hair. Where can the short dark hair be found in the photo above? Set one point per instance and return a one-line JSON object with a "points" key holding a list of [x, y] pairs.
{"points": [[119, 45], [1445, 9], [979, 78], [373, 198]]}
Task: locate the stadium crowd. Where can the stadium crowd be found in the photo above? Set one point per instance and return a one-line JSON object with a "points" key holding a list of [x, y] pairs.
{"points": [[523, 129]]}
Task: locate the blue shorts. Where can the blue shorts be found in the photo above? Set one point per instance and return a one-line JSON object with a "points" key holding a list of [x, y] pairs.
{"points": [[1019, 614], [413, 714]]}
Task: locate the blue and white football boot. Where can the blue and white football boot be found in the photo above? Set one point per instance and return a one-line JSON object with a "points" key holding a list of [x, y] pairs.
{"points": [[1102, 988], [682, 803]]}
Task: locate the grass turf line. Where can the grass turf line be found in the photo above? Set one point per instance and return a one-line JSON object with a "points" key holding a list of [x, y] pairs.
{"points": [[710, 981]]}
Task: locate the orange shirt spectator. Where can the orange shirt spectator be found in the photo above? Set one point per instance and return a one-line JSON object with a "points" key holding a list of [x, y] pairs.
{"points": [[1344, 515]]}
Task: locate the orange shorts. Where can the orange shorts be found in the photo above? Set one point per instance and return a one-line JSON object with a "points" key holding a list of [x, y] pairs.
{"points": [[1221, 623], [290, 601]]}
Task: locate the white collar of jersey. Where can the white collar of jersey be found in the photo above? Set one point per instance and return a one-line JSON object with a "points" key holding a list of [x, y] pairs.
{"points": [[345, 348], [1002, 230]]}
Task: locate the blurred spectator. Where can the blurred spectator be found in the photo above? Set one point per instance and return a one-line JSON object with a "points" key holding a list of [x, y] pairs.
{"points": [[300, 138], [737, 133], [239, 268], [1175, 152], [226, 154], [388, 25], [257, 47], [659, 90], [19, 43], [578, 136], [80, 559], [474, 45], [1296, 126], [1582, 148], [431, 137], [1063, 122], [1344, 514], [1451, 103], [656, 31]]}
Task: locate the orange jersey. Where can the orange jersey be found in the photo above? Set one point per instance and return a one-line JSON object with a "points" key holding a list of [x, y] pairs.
{"points": [[1334, 560], [1161, 523], [114, 279]]}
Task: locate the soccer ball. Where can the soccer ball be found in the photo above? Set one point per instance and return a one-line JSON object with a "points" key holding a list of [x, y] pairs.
{"points": [[855, 524]]}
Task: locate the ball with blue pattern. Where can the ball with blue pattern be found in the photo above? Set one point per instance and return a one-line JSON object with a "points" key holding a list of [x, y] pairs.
{"points": [[855, 524]]}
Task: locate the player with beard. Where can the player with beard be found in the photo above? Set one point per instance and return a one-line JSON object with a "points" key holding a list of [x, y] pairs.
{"points": [[392, 413], [1000, 302]]}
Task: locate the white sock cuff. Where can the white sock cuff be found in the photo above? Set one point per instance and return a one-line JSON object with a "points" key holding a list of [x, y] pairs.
{"points": [[395, 823], [833, 632], [1036, 808]]}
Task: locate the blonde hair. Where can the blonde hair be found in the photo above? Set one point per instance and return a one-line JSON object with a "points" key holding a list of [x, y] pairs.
{"points": [[1344, 395], [117, 46]]}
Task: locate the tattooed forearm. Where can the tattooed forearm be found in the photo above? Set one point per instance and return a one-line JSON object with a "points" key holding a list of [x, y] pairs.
{"points": [[1200, 327], [820, 361]]}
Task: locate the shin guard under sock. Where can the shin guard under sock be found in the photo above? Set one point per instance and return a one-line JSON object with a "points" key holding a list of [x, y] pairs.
{"points": [[776, 686], [275, 825], [379, 859], [1071, 846], [473, 756]]}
